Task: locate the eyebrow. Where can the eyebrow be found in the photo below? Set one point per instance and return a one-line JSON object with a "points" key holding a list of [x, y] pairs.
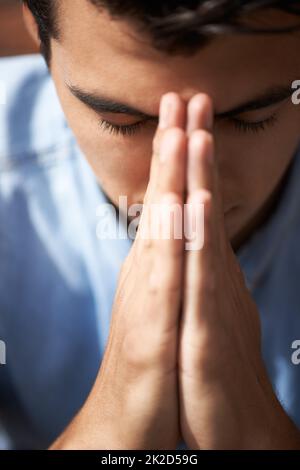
{"points": [[101, 104], [271, 97]]}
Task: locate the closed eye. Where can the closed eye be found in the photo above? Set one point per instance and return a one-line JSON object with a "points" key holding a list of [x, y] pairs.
{"points": [[240, 125], [124, 129], [253, 126]]}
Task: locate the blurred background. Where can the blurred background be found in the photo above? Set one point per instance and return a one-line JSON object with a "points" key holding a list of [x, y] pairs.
{"points": [[14, 38]]}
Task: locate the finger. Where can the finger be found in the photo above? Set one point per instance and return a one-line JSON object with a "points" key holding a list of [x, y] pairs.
{"points": [[200, 171], [172, 114], [172, 111], [199, 271], [199, 113], [171, 184], [200, 263], [200, 120], [166, 178], [201, 151], [172, 163], [166, 231]]}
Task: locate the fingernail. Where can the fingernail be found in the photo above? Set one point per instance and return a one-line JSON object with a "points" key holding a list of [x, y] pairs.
{"points": [[165, 112]]}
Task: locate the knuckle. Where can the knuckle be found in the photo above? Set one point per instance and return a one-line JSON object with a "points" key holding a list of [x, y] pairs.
{"points": [[201, 101], [132, 352], [175, 134], [155, 350], [202, 139], [163, 285], [172, 198], [138, 352]]}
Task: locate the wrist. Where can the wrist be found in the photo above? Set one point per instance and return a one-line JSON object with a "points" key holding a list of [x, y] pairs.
{"points": [[266, 425]]}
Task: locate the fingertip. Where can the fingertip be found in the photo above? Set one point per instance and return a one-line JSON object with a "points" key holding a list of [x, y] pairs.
{"points": [[200, 113], [172, 111]]}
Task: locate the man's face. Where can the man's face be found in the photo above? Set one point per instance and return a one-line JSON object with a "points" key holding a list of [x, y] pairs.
{"points": [[105, 59]]}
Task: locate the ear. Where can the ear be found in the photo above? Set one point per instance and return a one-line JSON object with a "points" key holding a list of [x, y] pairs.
{"points": [[31, 25]]}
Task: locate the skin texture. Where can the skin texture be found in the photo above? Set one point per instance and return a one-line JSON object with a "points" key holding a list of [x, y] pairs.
{"points": [[159, 380], [226, 399], [231, 70]]}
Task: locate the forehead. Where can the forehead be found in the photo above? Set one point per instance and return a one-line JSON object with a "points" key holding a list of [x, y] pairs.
{"points": [[104, 53]]}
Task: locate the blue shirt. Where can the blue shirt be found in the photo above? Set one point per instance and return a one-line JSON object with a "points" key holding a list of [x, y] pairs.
{"points": [[58, 279]]}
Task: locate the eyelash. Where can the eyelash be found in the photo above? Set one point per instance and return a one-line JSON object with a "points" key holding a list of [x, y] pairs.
{"points": [[240, 125], [117, 129], [254, 127]]}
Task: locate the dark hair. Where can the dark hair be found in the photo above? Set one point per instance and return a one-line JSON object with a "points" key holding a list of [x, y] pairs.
{"points": [[173, 25]]}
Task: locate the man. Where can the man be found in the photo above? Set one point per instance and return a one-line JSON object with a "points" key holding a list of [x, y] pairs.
{"points": [[179, 102]]}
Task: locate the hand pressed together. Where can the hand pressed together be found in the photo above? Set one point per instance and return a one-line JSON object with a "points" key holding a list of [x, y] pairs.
{"points": [[183, 360]]}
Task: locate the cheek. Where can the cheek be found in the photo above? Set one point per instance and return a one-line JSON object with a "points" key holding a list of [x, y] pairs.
{"points": [[121, 164], [252, 166]]}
